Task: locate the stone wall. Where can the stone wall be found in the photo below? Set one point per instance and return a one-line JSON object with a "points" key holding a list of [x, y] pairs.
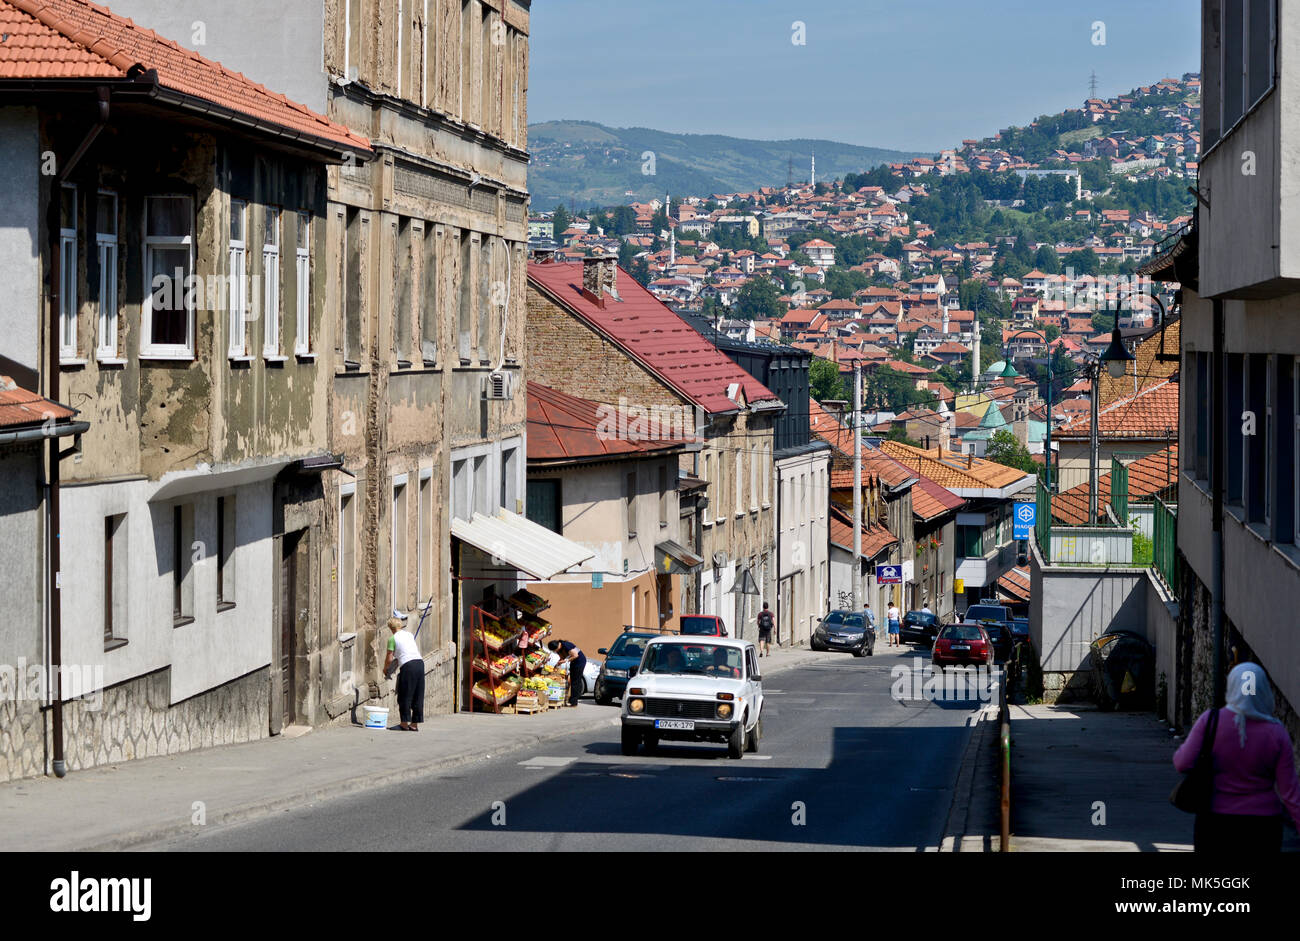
{"points": [[133, 720]]}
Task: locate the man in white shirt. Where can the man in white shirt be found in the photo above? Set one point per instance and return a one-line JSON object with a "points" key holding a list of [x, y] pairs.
{"points": [[404, 657]]}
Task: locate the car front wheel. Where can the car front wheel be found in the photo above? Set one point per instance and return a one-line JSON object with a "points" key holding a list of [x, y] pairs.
{"points": [[736, 741], [755, 735], [631, 740]]}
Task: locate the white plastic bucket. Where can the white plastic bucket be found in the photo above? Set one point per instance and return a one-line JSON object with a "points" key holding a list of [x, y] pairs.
{"points": [[376, 717]]}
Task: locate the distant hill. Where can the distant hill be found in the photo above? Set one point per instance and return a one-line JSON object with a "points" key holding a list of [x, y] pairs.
{"points": [[589, 163]]}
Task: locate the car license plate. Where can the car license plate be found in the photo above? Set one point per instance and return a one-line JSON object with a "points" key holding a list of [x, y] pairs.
{"points": [[682, 725], [961, 646]]}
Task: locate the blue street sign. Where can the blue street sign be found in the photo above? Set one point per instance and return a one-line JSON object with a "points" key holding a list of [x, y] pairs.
{"points": [[889, 574], [1023, 519]]}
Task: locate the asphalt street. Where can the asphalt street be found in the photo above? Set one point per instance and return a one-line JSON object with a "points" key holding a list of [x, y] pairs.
{"points": [[843, 764]]}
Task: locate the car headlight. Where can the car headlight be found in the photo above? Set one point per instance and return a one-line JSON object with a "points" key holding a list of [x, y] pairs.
{"points": [[621, 674], [636, 705], [724, 710]]}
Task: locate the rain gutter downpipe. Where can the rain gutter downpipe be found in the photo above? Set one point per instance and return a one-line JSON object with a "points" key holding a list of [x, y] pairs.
{"points": [[60, 765]]}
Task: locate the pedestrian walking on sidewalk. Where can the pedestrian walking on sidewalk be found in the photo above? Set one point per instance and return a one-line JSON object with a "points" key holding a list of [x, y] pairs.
{"points": [[895, 629], [1254, 769], [766, 622], [577, 660], [404, 659], [869, 615]]}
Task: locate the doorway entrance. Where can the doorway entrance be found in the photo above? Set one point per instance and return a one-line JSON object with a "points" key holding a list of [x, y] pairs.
{"points": [[291, 632]]}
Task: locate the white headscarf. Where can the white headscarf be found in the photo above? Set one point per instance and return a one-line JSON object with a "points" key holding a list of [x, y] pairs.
{"points": [[1250, 696]]}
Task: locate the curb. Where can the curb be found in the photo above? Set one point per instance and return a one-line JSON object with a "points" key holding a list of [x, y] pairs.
{"points": [[253, 811], [976, 761]]}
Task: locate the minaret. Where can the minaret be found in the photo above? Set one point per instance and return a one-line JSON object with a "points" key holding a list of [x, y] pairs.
{"points": [[975, 349], [945, 320], [812, 171], [672, 246]]}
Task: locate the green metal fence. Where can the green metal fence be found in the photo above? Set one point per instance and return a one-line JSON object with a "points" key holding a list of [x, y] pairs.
{"points": [[1165, 543], [1119, 490], [1043, 524]]}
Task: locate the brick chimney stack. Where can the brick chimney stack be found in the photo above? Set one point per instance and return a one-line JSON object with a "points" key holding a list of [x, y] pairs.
{"points": [[600, 277]]}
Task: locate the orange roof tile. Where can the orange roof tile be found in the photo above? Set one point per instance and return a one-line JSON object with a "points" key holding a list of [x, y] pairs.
{"points": [[954, 471], [62, 39], [1151, 413], [19, 408]]}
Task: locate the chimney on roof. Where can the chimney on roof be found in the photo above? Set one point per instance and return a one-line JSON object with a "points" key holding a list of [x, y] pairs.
{"points": [[970, 459], [600, 277]]}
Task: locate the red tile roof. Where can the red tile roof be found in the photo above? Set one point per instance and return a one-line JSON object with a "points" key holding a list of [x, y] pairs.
{"points": [[653, 335], [72, 39], [1152, 413], [565, 427], [1147, 476], [875, 538], [19, 408], [1015, 584]]}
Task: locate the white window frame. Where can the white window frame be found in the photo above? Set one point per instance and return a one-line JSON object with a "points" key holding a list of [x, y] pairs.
{"points": [[398, 485], [237, 286], [753, 480], [68, 278], [302, 268], [740, 482], [401, 28], [423, 534], [149, 349], [271, 283], [106, 244], [709, 489], [346, 490], [767, 475]]}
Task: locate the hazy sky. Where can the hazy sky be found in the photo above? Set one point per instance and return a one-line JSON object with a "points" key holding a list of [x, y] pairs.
{"points": [[905, 74]]}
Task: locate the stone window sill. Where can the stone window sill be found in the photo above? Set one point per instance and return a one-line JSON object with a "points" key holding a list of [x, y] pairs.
{"points": [[182, 621], [113, 643]]}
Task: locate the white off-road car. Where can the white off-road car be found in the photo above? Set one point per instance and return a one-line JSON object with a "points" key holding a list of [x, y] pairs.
{"points": [[696, 689]]}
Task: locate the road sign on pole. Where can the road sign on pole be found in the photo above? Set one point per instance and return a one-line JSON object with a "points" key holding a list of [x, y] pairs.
{"points": [[1024, 516]]}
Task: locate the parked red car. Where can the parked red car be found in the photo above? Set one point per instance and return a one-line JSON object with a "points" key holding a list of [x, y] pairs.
{"points": [[962, 645], [703, 625]]}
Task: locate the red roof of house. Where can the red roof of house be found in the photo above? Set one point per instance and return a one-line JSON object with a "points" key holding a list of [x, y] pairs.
{"points": [[1151, 413], [875, 538], [653, 335], [565, 427], [19, 408], [75, 39], [1015, 584]]}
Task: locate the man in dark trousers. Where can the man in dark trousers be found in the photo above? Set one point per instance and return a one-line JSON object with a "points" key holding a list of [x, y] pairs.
{"points": [[577, 660], [765, 625]]}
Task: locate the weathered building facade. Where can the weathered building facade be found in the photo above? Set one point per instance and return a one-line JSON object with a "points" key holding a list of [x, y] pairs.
{"points": [[181, 311], [425, 293]]}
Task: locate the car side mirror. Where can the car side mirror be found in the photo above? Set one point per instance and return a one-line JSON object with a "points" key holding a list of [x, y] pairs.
{"points": [[631, 672], [756, 677], [602, 650]]}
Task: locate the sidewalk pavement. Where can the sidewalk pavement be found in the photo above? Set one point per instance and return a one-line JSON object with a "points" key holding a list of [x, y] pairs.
{"points": [[115, 807]]}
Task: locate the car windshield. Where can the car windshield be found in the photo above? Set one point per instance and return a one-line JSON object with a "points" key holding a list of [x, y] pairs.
{"points": [[920, 617], [995, 612], [694, 659], [835, 617], [627, 646], [699, 625], [852, 621], [962, 632]]}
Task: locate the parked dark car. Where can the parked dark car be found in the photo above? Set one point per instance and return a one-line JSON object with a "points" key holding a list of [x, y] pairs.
{"points": [[704, 625], [920, 627], [845, 630], [1020, 630], [622, 659], [1000, 637], [962, 645]]}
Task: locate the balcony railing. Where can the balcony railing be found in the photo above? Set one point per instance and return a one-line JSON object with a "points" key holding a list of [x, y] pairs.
{"points": [[1165, 543]]}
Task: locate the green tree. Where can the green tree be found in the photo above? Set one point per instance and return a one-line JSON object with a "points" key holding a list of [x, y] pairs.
{"points": [[758, 300], [560, 220], [825, 381], [1005, 448]]}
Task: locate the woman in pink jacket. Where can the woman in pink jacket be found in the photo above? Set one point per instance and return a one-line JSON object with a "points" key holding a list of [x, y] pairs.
{"points": [[1254, 770]]}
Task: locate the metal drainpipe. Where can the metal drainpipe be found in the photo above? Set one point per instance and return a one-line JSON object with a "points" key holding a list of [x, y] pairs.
{"points": [[60, 765], [1218, 466]]}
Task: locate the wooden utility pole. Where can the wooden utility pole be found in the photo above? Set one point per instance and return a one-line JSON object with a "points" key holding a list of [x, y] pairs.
{"points": [[857, 486]]}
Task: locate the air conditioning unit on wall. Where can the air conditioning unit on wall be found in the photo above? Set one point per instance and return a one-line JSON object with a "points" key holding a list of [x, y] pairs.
{"points": [[497, 385]]}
